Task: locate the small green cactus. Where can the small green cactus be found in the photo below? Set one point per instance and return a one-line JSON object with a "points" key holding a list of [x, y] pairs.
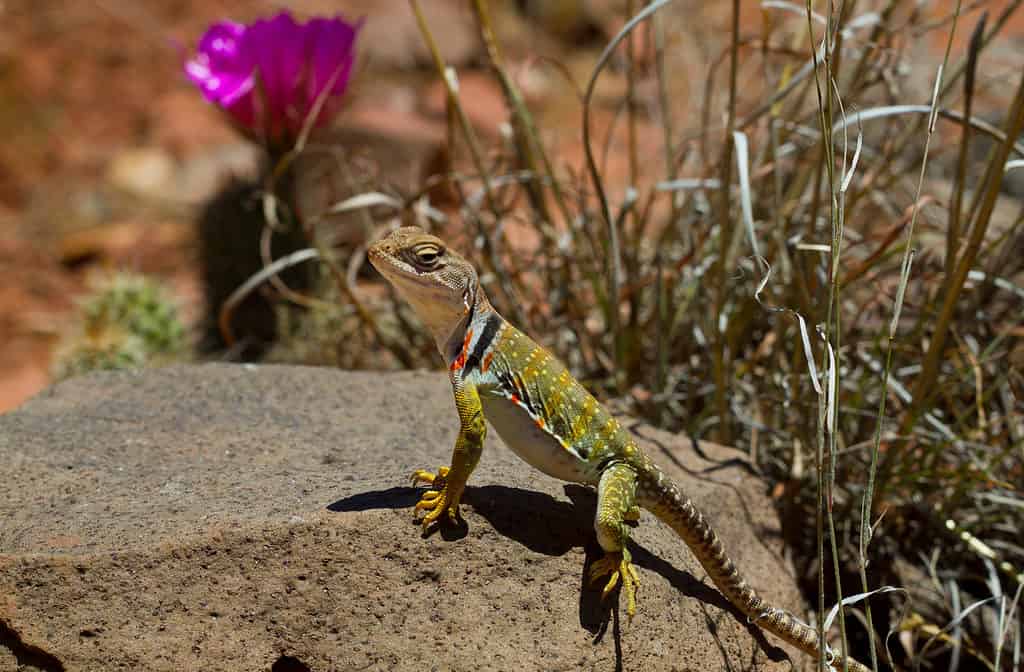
{"points": [[127, 321], [115, 349], [139, 305]]}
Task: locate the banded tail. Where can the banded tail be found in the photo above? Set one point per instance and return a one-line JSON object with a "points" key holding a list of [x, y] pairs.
{"points": [[662, 497]]}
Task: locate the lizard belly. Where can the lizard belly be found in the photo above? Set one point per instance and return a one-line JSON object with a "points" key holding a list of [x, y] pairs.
{"points": [[531, 441]]}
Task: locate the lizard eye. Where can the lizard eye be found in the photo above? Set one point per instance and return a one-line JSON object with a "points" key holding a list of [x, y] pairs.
{"points": [[428, 255]]}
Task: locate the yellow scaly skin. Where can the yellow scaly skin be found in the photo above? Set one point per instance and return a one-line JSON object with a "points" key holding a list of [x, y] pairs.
{"points": [[554, 424]]}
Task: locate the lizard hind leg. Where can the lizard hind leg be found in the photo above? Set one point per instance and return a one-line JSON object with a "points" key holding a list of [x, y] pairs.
{"points": [[616, 509]]}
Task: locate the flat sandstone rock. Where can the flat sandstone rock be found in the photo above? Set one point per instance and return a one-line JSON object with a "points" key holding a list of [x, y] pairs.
{"points": [[223, 517]]}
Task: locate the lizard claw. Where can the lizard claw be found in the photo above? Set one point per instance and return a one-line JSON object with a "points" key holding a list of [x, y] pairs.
{"points": [[430, 478], [438, 499], [619, 567]]}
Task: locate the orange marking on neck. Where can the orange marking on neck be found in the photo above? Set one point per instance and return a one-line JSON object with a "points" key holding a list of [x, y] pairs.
{"points": [[487, 361], [460, 361]]}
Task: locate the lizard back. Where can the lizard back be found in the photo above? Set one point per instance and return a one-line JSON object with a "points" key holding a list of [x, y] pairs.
{"points": [[537, 407]]}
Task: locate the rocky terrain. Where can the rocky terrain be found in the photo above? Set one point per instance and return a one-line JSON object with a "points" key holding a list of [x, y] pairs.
{"points": [[224, 517]]}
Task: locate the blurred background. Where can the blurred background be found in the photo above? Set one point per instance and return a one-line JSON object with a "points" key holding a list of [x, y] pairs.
{"points": [[138, 220], [110, 153]]}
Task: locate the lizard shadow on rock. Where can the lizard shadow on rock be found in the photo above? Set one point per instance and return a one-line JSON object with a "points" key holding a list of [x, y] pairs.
{"points": [[25, 654], [534, 519], [392, 498], [763, 533], [568, 526], [402, 497], [687, 585], [552, 527], [594, 615], [717, 465]]}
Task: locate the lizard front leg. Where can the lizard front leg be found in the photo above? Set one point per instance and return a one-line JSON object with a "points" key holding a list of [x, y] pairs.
{"points": [[449, 483], [616, 507]]}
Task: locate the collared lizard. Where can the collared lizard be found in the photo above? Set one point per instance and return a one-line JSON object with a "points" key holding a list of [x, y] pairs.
{"points": [[552, 422]]}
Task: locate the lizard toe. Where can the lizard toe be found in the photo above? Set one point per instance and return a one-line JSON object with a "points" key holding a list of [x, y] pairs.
{"points": [[430, 478], [619, 568], [606, 565]]}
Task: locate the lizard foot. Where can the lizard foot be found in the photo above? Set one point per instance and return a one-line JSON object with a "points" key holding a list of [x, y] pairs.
{"points": [[619, 566], [438, 499], [430, 478]]}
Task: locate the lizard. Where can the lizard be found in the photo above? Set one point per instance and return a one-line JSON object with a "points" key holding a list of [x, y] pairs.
{"points": [[554, 424]]}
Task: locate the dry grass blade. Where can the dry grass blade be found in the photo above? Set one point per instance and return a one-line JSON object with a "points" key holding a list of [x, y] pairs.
{"points": [[924, 389], [255, 281], [746, 202], [956, 207], [959, 618], [528, 140], [450, 80], [932, 112], [614, 254], [588, 94], [359, 201]]}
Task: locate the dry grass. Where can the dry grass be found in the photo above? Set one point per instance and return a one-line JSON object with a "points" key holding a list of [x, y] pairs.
{"points": [[883, 347]]}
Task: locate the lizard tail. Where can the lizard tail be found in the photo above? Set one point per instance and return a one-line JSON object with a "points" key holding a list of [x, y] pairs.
{"points": [[660, 496]]}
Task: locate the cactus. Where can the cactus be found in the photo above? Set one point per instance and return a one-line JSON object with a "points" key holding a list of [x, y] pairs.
{"points": [[103, 351], [229, 230], [127, 321]]}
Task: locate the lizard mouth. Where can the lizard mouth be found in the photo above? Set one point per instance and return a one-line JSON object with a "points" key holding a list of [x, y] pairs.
{"points": [[390, 267], [404, 276]]}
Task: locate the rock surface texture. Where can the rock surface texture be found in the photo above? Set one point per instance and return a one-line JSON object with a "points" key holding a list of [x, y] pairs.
{"points": [[223, 517]]}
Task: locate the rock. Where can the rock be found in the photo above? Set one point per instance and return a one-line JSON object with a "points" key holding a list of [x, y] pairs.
{"points": [[249, 518], [29, 375], [154, 175], [142, 171], [122, 240], [204, 172]]}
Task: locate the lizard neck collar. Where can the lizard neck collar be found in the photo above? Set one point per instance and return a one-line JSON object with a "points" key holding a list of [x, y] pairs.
{"points": [[477, 307]]}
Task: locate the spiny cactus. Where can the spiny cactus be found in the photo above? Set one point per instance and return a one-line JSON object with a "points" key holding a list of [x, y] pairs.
{"points": [[127, 321], [113, 349], [229, 231]]}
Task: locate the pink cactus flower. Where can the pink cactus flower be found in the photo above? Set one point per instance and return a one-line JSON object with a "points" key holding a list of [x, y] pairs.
{"points": [[268, 75]]}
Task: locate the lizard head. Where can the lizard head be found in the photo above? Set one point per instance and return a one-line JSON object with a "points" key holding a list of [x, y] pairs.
{"points": [[442, 287]]}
